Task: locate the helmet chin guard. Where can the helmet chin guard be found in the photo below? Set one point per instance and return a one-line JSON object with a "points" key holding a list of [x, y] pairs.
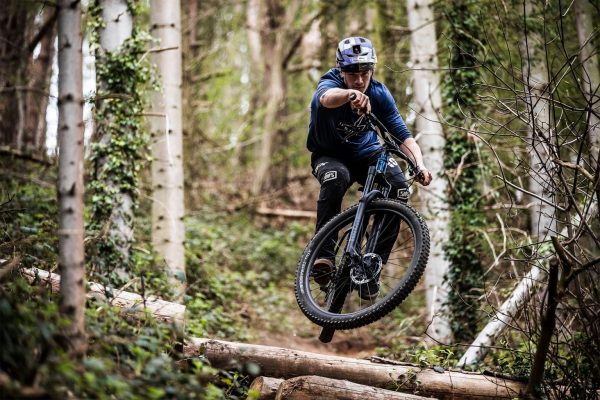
{"points": [[355, 54]]}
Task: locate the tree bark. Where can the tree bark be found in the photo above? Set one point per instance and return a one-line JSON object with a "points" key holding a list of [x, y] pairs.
{"points": [[71, 257], [590, 73], [286, 363], [427, 100], [25, 73], [272, 15], [168, 211], [130, 303], [547, 324], [317, 387], [539, 132], [265, 388], [39, 76], [118, 28]]}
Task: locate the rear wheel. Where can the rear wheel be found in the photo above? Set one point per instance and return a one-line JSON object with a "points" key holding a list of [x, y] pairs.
{"points": [[392, 252]]}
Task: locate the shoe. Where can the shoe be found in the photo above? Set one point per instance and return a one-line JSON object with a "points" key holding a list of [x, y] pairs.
{"points": [[322, 271], [370, 290]]}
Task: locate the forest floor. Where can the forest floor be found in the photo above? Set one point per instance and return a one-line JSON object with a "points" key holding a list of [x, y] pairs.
{"points": [[287, 327]]}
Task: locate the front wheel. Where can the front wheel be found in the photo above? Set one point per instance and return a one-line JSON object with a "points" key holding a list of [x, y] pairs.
{"points": [[394, 243]]}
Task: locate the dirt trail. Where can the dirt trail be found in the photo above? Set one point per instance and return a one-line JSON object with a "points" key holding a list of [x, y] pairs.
{"points": [[356, 344]]}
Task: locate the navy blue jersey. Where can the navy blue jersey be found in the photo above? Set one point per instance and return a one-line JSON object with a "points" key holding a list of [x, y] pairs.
{"points": [[324, 136]]}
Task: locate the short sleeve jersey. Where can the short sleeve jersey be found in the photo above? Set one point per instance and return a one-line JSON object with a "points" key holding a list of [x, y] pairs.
{"points": [[324, 135]]}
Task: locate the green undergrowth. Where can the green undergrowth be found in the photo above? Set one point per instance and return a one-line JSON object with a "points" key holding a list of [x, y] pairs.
{"points": [[127, 358], [240, 275]]}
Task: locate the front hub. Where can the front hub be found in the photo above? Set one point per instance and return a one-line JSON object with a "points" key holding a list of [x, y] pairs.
{"points": [[367, 269]]}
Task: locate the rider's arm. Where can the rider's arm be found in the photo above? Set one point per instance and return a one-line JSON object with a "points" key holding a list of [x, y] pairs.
{"points": [[412, 149], [336, 97]]}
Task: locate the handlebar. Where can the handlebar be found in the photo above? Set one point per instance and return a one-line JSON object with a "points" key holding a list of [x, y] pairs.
{"points": [[390, 141]]}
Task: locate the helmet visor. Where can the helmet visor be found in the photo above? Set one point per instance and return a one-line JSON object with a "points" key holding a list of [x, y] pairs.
{"points": [[360, 67]]}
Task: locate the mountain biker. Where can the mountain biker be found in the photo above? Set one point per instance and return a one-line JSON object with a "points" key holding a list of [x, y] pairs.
{"points": [[342, 95]]}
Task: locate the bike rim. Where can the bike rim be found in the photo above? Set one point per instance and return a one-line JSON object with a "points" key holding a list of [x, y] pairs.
{"points": [[395, 271]]}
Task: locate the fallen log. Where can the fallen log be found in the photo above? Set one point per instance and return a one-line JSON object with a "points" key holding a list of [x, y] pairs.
{"points": [[131, 303], [286, 363], [317, 387], [282, 212], [502, 318], [265, 387]]}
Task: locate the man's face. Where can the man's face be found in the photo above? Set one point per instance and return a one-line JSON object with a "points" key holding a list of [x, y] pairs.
{"points": [[357, 80]]}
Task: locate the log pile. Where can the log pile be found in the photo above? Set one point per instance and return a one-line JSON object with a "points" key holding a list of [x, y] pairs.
{"points": [[317, 387], [293, 374], [282, 363]]}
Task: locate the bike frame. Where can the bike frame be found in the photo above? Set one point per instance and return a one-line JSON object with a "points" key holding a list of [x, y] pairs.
{"points": [[352, 255], [369, 194]]}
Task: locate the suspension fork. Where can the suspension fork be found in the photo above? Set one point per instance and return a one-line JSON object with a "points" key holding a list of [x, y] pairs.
{"points": [[341, 287], [369, 194]]}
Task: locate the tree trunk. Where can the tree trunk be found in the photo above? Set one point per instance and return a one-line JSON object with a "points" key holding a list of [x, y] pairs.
{"points": [[317, 387], [502, 318], [539, 132], [25, 73], [427, 100], [70, 173], [265, 388], [272, 18], [285, 363], [168, 231], [590, 73], [547, 324], [311, 45], [39, 76], [119, 218]]}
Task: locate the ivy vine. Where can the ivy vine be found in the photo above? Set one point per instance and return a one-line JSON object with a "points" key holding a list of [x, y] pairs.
{"points": [[459, 91], [121, 146]]}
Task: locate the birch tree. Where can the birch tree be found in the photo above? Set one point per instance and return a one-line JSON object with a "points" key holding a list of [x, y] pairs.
{"points": [[70, 175], [539, 132], [542, 213], [115, 212], [590, 73], [168, 231], [427, 102]]}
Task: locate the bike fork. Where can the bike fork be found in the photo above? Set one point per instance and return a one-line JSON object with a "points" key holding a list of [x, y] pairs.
{"points": [[352, 255]]}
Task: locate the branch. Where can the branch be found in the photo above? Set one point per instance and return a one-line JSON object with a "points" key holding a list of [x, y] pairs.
{"points": [[48, 25], [8, 151], [531, 194]]}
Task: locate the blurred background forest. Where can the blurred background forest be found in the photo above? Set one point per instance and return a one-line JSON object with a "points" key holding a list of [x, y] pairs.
{"points": [[502, 95]]}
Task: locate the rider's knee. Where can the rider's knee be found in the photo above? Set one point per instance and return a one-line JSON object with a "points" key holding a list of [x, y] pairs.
{"points": [[402, 194], [334, 184]]}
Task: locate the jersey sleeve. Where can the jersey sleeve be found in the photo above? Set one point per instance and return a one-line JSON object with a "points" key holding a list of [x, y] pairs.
{"points": [[390, 116], [323, 86]]}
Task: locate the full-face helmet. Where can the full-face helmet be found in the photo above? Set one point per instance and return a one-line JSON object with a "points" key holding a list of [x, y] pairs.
{"points": [[355, 54]]}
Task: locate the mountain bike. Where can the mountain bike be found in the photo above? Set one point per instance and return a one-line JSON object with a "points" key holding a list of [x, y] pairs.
{"points": [[379, 244]]}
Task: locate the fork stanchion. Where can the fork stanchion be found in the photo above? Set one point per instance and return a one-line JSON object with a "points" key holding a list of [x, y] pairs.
{"points": [[326, 335]]}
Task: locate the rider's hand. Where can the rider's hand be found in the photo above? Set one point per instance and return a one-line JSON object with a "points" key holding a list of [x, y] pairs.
{"points": [[424, 177], [359, 101]]}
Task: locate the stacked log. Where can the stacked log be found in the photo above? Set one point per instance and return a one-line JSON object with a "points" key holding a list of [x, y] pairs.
{"points": [[286, 363], [293, 374]]}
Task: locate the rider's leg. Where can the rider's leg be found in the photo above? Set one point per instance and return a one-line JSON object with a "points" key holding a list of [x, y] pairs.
{"points": [[334, 177], [391, 227]]}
